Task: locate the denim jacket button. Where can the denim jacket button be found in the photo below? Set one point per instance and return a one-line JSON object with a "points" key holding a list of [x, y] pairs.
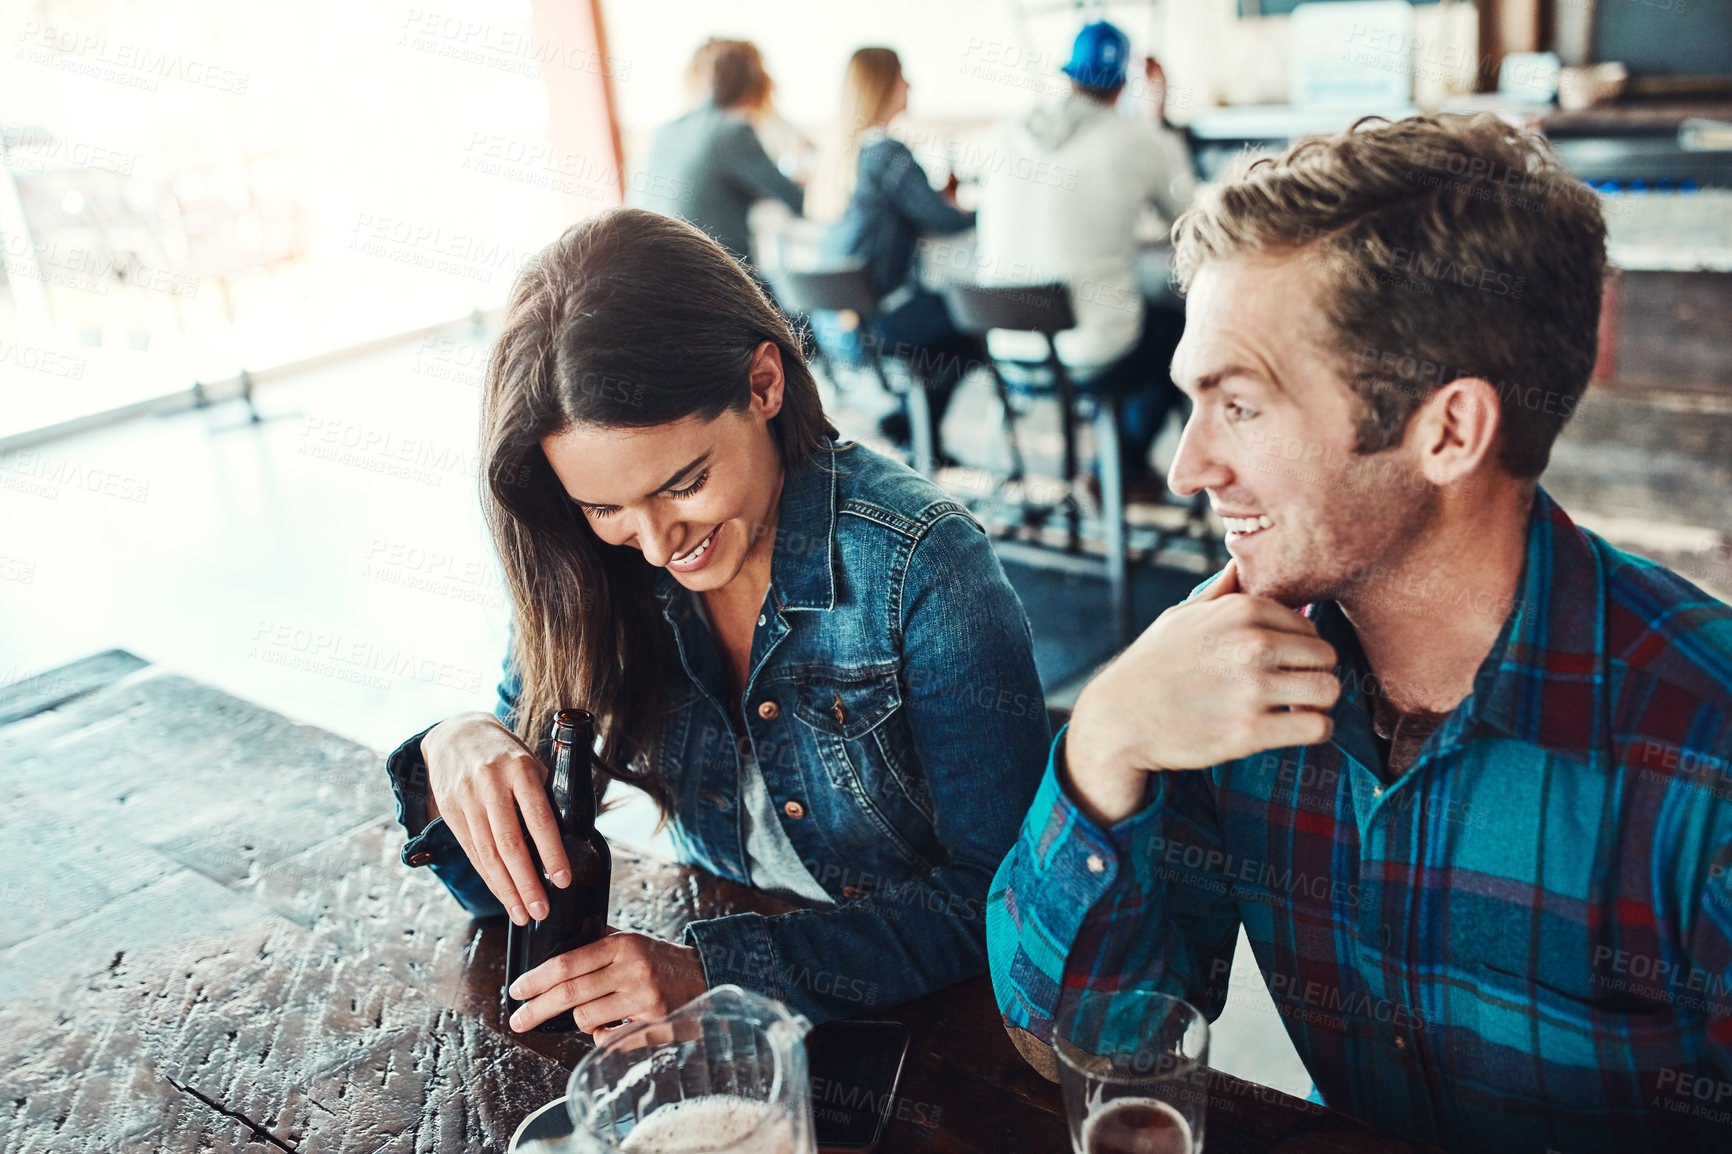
{"points": [[769, 710], [852, 891], [1095, 864], [420, 859], [794, 809]]}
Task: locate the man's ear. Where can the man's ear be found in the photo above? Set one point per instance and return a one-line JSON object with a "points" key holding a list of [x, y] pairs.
{"points": [[1457, 430], [765, 376]]}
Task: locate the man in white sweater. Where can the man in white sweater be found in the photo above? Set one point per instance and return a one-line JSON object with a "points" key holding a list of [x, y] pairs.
{"points": [[1061, 200]]}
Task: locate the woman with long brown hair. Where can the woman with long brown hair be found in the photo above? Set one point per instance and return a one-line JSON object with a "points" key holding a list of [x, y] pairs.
{"points": [[890, 205], [806, 653]]}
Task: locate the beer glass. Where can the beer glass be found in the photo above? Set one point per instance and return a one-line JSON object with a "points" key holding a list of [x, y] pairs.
{"points": [[726, 1072], [1133, 1066]]}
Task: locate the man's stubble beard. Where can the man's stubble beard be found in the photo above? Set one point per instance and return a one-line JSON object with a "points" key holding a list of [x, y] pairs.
{"points": [[1365, 527]]}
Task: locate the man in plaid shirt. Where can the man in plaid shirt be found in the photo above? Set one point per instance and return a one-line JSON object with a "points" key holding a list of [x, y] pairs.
{"points": [[1461, 770]]}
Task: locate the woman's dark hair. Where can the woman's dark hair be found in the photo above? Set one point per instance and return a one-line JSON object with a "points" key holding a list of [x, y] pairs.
{"points": [[628, 320]]}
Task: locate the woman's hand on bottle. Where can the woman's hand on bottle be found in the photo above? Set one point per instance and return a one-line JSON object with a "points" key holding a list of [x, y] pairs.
{"points": [[480, 776], [624, 976]]}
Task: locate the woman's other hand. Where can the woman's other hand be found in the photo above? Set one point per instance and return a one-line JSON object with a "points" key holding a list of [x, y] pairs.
{"points": [[479, 776], [624, 976]]}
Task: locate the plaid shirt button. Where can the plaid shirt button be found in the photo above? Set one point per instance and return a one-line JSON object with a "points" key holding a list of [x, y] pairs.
{"points": [[1096, 865], [1400, 1043]]}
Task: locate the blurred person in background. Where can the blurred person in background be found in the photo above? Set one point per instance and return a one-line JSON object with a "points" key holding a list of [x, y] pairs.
{"points": [[708, 167], [793, 151], [1064, 189], [889, 205], [805, 653]]}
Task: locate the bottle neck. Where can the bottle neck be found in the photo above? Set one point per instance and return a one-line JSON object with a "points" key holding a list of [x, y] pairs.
{"points": [[571, 784]]}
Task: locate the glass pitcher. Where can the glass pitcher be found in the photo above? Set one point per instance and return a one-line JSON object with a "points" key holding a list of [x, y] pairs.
{"points": [[726, 1072]]}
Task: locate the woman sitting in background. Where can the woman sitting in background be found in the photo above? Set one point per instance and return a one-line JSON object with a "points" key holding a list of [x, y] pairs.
{"points": [[890, 206], [793, 152], [709, 167], [805, 653]]}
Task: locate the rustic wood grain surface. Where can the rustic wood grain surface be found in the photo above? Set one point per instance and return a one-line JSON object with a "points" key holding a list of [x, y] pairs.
{"points": [[209, 944]]}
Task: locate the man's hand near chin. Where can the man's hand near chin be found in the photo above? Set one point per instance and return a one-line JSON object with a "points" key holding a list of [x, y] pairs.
{"points": [[1220, 677]]}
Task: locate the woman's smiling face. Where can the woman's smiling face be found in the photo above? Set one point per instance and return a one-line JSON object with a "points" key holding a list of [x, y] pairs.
{"points": [[694, 496]]}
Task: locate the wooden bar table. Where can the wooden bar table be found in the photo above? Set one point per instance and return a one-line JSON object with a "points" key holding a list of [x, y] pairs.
{"points": [[209, 944]]}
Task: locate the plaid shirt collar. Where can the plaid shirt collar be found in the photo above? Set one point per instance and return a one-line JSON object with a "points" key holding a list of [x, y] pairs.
{"points": [[1543, 681]]}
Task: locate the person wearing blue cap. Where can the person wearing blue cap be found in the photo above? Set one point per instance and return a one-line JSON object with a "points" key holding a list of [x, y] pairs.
{"points": [[1062, 196], [1097, 56]]}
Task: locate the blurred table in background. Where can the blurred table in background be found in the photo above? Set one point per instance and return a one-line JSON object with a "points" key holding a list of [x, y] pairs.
{"points": [[210, 944]]}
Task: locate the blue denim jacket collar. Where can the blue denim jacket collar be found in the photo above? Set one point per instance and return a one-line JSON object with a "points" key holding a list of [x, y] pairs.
{"points": [[803, 573], [803, 569]]}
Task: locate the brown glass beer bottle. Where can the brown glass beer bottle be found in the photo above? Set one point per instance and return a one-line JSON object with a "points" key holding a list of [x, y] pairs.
{"points": [[577, 914]]}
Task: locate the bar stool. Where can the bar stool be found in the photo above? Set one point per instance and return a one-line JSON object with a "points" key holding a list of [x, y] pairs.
{"points": [[846, 288], [1046, 309]]}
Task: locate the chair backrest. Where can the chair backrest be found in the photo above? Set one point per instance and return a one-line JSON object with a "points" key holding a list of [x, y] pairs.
{"points": [[827, 290], [1037, 308]]}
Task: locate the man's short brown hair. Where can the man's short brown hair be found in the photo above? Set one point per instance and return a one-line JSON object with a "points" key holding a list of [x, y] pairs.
{"points": [[737, 75], [1452, 247]]}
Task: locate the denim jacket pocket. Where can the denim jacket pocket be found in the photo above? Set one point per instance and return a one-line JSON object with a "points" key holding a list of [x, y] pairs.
{"points": [[848, 703], [852, 718]]}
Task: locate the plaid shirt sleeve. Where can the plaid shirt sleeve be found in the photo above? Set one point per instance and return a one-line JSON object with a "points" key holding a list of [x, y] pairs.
{"points": [[1075, 907], [1710, 950]]}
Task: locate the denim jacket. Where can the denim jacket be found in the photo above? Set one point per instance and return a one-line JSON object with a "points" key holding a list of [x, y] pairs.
{"points": [[899, 723], [892, 207]]}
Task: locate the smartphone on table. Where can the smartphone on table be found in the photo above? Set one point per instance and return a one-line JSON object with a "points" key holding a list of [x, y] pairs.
{"points": [[855, 1066]]}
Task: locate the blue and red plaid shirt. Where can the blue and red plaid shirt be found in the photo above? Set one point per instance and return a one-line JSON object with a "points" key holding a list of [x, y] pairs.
{"points": [[1522, 943]]}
